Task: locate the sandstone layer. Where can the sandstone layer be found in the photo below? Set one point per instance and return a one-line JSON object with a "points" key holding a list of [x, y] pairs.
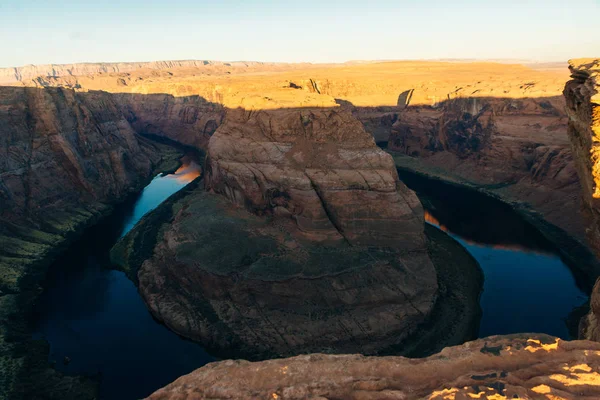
{"points": [[318, 167], [583, 108], [66, 158], [499, 367]]}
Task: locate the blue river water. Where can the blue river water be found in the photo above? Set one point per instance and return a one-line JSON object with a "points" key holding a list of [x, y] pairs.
{"points": [[524, 290], [94, 315]]}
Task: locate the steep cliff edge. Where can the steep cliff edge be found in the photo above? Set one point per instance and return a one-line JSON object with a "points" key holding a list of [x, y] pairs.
{"points": [[583, 108], [319, 248], [499, 367], [66, 158]]}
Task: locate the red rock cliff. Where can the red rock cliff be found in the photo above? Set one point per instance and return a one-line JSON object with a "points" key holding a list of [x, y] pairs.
{"points": [[583, 108]]}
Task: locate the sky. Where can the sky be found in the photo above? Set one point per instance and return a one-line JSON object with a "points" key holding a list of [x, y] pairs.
{"points": [[68, 31]]}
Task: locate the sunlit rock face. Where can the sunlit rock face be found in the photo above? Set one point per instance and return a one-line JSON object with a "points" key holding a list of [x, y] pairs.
{"points": [[498, 367], [319, 168], [583, 108]]}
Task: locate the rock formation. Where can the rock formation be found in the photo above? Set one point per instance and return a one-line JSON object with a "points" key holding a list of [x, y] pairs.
{"points": [[583, 108], [498, 367], [66, 157], [326, 251], [319, 167]]}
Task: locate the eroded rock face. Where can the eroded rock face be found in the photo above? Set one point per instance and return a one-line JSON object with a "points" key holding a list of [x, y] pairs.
{"points": [[320, 168], [499, 367], [189, 120], [63, 148], [583, 108], [517, 147], [66, 157]]}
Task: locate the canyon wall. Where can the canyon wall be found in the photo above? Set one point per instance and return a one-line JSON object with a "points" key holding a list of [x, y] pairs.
{"points": [[498, 127], [583, 108], [188, 120], [66, 158], [516, 148]]}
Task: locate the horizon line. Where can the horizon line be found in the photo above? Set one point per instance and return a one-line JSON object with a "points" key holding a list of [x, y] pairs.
{"points": [[445, 59]]}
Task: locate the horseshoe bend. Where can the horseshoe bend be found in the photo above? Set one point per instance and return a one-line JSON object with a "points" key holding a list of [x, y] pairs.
{"points": [[425, 229]]}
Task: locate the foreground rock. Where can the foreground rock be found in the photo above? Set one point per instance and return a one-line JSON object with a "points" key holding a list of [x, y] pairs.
{"points": [[325, 250], [583, 107], [67, 157], [498, 367]]}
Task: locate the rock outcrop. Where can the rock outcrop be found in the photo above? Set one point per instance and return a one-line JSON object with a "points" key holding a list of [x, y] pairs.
{"points": [[583, 108], [326, 250], [499, 367], [320, 168], [66, 158]]}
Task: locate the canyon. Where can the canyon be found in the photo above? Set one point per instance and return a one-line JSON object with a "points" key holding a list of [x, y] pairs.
{"points": [[298, 206]]}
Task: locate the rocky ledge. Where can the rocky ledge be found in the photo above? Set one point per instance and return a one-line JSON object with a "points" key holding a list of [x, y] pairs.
{"points": [[499, 367], [304, 241]]}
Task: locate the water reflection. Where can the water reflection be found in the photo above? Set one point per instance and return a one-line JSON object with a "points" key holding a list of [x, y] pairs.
{"points": [[430, 218], [527, 287], [161, 187], [188, 171], [96, 317]]}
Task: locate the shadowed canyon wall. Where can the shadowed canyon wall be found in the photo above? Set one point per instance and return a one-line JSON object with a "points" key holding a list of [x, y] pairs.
{"points": [[66, 158]]}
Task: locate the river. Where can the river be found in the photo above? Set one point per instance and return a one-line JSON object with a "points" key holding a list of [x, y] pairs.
{"points": [[94, 316]]}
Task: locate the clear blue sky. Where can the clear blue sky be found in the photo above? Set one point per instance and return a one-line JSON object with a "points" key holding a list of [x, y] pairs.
{"points": [[66, 31]]}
